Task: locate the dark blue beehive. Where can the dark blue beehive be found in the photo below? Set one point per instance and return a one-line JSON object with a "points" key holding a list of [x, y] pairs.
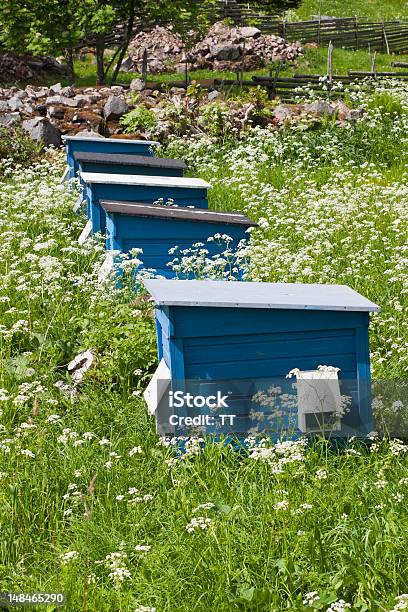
{"points": [[156, 229], [143, 189], [239, 331], [95, 144], [120, 163]]}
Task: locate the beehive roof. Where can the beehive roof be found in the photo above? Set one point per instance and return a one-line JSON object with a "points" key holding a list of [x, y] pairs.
{"points": [[235, 294]]}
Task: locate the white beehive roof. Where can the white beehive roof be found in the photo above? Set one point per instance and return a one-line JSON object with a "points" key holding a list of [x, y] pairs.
{"points": [[144, 181], [236, 294]]}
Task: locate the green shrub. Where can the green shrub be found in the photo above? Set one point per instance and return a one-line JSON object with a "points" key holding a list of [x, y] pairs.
{"points": [[138, 120], [17, 146]]}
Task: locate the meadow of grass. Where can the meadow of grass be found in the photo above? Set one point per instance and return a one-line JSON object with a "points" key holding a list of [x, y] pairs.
{"points": [[374, 9], [93, 504]]}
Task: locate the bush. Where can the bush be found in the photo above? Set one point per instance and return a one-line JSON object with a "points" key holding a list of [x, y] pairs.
{"points": [[17, 146], [138, 120]]}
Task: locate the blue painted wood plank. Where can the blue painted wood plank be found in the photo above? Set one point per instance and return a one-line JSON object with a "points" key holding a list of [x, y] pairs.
{"points": [[104, 145], [193, 322]]}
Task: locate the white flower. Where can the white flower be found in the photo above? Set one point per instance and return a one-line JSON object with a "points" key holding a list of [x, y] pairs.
{"points": [[104, 442], [198, 524], [69, 556], [27, 453], [136, 450]]}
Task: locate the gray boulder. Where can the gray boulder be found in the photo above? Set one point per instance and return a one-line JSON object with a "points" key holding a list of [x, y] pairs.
{"points": [[68, 92], [15, 103], [9, 119], [137, 85], [248, 32], [56, 89], [115, 107], [227, 53], [320, 109], [41, 130], [4, 106], [72, 103]]}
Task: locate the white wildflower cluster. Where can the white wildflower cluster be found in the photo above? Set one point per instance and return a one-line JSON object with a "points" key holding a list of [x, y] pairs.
{"points": [[339, 606], [116, 563], [281, 454], [69, 556], [311, 598], [135, 496], [401, 603], [221, 259], [199, 523]]}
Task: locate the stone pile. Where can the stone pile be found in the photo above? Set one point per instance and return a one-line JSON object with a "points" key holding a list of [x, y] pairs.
{"points": [[14, 67], [221, 49], [48, 112], [224, 47], [164, 48]]}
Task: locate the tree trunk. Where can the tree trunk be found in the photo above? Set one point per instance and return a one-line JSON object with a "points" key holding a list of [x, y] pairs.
{"points": [[129, 30], [69, 58], [100, 56]]}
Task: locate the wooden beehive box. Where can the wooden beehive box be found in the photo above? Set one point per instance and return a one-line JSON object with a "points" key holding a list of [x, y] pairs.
{"points": [[93, 144], [122, 163], [157, 229], [144, 189], [246, 333]]}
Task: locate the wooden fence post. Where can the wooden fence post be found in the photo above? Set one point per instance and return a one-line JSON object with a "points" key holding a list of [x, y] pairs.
{"points": [[356, 30], [144, 66], [385, 37], [330, 66]]}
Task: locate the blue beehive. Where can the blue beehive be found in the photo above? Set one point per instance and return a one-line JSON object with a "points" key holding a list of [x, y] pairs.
{"points": [[97, 144], [142, 189], [247, 333], [156, 229], [120, 163]]}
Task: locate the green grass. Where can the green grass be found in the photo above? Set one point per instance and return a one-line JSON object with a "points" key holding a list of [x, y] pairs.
{"points": [[331, 203], [375, 9]]}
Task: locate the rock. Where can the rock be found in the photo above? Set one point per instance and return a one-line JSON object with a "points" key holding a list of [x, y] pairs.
{"points": [[319, 109], [67, 92], [56, 89], [248, 32], [4, 107], [213, 95], [15, 103], [41, 109], [41, 130], [89, 134], [230, 53], [21, 94], [116, 89], [115, 107], [136, 85], [56, 112], [282, 112], [63, 101], [88, 99], [36, 94], [10, 119]]}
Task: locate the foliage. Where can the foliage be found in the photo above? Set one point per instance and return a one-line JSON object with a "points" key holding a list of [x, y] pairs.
{"points": [[138, 119], [17, 147]]}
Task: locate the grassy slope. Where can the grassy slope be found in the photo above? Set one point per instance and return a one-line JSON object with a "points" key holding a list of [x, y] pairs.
{"points": [[375, 9]]}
